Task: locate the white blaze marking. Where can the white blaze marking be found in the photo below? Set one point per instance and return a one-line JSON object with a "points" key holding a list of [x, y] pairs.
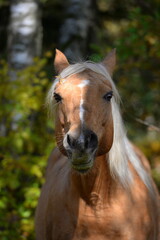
{"points": [[81, 109]]}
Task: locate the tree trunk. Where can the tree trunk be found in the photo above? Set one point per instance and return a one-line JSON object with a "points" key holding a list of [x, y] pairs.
{"points": [[75, 31], [25, 33]]}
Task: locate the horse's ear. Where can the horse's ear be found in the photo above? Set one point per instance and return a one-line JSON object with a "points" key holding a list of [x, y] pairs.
{"points": [[110, 61], [60, 61]]}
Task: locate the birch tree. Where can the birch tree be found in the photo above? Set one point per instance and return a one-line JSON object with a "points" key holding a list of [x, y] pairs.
{"points": [[24, 43], [24, 33]]}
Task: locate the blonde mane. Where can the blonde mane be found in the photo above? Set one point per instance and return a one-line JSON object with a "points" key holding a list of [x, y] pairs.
{"points": [[121, 152]]}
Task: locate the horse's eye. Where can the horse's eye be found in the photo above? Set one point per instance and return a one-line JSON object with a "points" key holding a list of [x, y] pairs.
{"points": [[108, 96], [57, 97]]}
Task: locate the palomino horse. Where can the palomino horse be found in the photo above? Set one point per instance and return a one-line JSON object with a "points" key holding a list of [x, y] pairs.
{"points": [[98, 185]]}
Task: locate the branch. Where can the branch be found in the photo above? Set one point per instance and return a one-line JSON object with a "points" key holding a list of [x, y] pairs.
{"points": [[151, 127]]}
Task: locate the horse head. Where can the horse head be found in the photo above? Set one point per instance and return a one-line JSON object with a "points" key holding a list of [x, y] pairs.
{"points": [[84, 123]]}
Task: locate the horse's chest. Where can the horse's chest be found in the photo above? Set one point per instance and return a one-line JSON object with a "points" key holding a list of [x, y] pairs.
{"points": [[89, 225], [98, 223]]}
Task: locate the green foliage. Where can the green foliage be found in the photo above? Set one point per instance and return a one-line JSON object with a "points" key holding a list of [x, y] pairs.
{"points": [[3, 3], [26, 133], [138, 50], [25, 145]]}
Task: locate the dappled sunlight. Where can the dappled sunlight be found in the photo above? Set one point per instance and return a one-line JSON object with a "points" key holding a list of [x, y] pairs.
{"points": [[27, 134]]}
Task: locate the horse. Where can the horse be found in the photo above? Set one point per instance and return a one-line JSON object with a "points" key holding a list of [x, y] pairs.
{"points": [[98, 184]]}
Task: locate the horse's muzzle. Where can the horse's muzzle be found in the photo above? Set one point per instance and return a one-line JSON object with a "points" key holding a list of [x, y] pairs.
{"points": [[81, 150]]}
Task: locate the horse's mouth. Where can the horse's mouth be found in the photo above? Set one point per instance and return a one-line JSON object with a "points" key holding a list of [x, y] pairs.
{"points": [[82, 167]]}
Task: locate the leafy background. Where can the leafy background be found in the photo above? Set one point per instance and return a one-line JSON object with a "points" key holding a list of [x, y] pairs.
{"points": [[133, 28]]}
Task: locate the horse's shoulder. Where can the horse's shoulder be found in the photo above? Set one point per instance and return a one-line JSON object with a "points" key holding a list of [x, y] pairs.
{"points": [[53, 158]]}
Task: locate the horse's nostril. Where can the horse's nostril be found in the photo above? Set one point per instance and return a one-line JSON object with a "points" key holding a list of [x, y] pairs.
{"points": [[86, 143], [70, 141], [91, 140]]}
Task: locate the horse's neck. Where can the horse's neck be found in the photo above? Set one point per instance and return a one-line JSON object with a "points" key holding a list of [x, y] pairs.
{"points": [[95, 184]]}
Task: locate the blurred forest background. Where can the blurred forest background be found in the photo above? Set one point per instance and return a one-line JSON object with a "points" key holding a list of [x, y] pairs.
{"points": [[30, 31]]}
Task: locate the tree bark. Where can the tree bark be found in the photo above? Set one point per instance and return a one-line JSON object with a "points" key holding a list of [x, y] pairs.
{"points": [[75, 30], [25, 33]]}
